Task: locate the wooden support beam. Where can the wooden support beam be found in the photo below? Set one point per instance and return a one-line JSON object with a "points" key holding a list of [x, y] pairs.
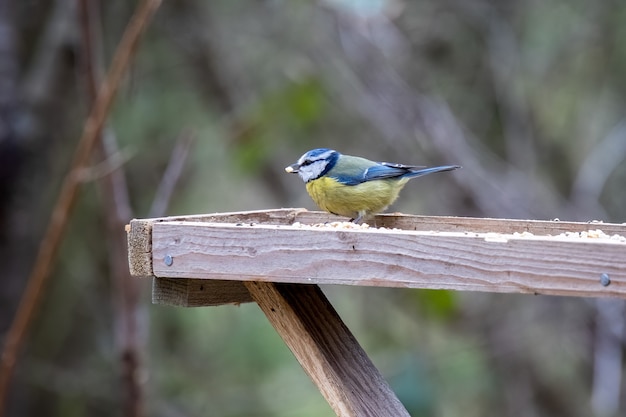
{"points": [[198, 292], [327, 350]]}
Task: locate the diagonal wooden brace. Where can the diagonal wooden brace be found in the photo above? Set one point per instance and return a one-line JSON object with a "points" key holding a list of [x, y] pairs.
{"points": [[326, 349]]}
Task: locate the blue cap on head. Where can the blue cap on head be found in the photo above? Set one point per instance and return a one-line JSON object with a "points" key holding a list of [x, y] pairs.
{"points": [[315, 153]]}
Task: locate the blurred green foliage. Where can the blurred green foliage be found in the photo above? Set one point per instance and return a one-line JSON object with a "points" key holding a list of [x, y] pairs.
{"points": [[290, 112], [534, 89]]}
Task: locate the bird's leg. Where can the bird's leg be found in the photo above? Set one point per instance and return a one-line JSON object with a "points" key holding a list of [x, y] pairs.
{"points": [[358, 218]]}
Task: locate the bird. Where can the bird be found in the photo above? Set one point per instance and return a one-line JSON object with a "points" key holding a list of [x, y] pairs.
{"points": [[352, 186]]}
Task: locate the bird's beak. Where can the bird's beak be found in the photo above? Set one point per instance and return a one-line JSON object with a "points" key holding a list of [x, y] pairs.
{"points": [[292, 169]]}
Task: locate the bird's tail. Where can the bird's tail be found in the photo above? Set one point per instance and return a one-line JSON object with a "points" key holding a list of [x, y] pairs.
{"points": [[425, 171]]}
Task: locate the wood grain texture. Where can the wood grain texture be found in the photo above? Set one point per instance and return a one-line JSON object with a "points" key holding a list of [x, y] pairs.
{"points": [[274, 216], [393, 258], [139, 234], [485, 225], [327, 350], [198, 292], [401, 221]]}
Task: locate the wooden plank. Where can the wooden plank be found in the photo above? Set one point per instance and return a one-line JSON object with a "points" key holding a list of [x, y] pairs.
{"points": [[327, 350], [191, 293], [401, 221], [140, 256], [469, 224], [274, 216], [393, 258], [198, 292]]}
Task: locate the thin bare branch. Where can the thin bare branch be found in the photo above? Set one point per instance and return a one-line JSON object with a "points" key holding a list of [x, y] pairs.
{"points": [[117, 211], [595, 170], [42, 77], [69, 191], [172, 174], [608, 357], [113, 162]]}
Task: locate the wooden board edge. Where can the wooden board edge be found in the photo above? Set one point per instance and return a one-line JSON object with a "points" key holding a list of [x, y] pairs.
{"points": [[272, 216], [288, 216], [139, 235], [469, 224], [183, 292]]}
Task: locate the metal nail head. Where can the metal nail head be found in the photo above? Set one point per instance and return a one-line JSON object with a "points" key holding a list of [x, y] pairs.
{"points": [[604, 279], [168, 260]]}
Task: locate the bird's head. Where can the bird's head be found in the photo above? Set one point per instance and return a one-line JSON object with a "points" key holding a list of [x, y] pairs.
{"points": [[314, 164]]}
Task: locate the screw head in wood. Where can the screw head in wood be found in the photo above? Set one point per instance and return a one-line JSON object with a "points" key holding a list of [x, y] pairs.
{"points": [[604, 279], [168, 260]]}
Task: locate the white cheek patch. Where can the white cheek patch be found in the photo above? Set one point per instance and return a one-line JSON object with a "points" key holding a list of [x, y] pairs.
{"points": [[312, 171]]}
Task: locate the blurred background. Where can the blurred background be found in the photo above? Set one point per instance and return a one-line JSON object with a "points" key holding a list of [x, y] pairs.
{"points": [[528, 96]]}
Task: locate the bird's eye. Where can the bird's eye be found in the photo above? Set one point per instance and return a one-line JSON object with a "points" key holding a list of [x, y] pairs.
{"points": [[306, 162]]}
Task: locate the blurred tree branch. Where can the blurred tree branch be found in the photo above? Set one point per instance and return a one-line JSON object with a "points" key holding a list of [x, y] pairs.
{"points": [[595, 170], [199, 49], [67, 197], [608, 357], [172, 174], [42, 78], [36, 121], [117, 211], [12, 148], [400, 113]]}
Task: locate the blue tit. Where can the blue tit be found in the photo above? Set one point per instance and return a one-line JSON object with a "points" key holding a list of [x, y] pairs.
{"points": [[354, 187]]}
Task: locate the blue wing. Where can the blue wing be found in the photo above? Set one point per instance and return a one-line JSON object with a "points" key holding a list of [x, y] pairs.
{"points": [[384, 170], [350, 170]]}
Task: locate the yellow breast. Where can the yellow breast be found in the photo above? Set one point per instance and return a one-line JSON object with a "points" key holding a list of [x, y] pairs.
{"points": [[353, 200]]}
